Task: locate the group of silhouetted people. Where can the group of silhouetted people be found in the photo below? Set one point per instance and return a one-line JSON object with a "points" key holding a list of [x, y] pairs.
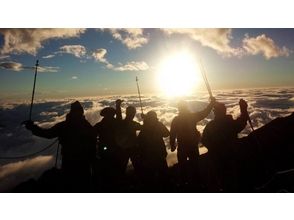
{"points": [[115, 140]]}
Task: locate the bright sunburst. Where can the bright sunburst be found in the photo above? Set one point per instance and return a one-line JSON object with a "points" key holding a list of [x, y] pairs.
{"points": [[178, 74]]}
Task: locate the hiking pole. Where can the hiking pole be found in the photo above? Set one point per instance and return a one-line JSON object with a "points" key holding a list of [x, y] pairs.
{"points": [[203, 72], [139, 95], [33, 93]]}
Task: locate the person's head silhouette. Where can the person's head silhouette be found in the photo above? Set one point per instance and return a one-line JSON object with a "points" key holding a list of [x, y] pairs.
{"points": [[76, 110], [108, 112], [183, 107], [150, 118], [130, 112], [219, 109]]}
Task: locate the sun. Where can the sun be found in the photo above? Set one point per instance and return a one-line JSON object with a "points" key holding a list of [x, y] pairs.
{"points": [[178, 75]]}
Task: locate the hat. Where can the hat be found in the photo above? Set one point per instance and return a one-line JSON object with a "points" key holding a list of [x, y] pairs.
{"points": [[108, 111]]}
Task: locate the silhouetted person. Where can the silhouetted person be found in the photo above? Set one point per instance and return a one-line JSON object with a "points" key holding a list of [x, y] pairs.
{"points": [[78, 140], [127, 139], [219, 137], [108, 149], [153, 151], [183, 129]]}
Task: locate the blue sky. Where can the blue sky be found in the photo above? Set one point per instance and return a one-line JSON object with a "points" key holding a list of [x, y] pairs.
{"points": [[92, 62]]}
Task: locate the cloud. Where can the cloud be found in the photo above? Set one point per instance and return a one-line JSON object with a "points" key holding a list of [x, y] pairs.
{"points": [[11, 66], [265, 46], [48, 69], [29, 41], [48, 56], [217, 39], [76, 50], [99, 55], [74, 77], [14, 66], [3, 57], [132, 66], [131, 37]]}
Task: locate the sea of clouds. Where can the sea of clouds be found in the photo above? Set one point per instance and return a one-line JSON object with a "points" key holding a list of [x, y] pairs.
{"points": [[263, 106]]}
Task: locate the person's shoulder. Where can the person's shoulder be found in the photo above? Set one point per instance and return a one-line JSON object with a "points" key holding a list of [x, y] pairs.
{"points": [[97, 124], [135, 123], [176, 118], [88, 124], [61, 124], [210, 124]]}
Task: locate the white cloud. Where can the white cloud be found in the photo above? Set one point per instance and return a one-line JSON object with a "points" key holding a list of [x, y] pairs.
{"points": [[29, 41], [14, 66], [100, 56], [131, 37], [76, 50], [265, 46], [217, 39], [74, 77], [3, 57], [48, 69], [132, 66], [48, 56]]}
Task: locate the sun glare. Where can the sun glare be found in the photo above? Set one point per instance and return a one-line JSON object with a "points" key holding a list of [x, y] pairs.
{"points": [[178, 75]]}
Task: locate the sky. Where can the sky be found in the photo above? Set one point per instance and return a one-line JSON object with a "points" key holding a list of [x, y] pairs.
{"points": [[93, 62]]}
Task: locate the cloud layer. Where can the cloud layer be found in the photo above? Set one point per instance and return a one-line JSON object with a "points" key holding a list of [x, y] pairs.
{"points": [[263, 106]]}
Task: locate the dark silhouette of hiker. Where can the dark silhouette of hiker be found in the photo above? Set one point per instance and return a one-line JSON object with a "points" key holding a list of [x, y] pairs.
{"points": [[219, 137], [78, 140], [108, 149], [153, 152], [183, 129], [127, 139]]}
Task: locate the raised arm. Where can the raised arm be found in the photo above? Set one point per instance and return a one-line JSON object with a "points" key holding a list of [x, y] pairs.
{"points": [[241, 121], [43, 132], [118, 109], [204, 113]]}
